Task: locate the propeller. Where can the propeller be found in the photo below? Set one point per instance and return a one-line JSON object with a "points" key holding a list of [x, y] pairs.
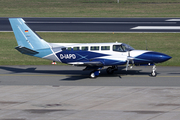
{"points": [[129, 58]]}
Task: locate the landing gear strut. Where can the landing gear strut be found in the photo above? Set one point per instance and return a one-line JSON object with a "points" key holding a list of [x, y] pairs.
{"points": [[154, 73], [110, 70]]}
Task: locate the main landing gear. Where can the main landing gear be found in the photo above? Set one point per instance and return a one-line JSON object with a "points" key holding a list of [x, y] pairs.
{"points": [[110, 70], [153, 73], [94, 74]]}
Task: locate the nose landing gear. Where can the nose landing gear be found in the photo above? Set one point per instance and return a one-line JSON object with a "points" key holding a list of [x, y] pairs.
{"points": [[153, 73]]}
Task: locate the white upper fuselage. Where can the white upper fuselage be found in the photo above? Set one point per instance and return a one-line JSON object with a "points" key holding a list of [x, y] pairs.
{"points": [[76, 54]]}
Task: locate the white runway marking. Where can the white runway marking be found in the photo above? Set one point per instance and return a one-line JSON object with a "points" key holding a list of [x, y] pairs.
{"points": [[157, 27], [101, 22], [173, 20]]}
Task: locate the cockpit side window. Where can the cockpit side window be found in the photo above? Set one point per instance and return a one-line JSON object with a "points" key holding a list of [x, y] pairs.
{"points": [[127, 47], [118, 48], [122, 48]]}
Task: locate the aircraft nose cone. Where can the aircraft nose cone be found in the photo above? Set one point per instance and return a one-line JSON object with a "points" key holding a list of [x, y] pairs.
{"points": [[165, 57], [160, 57], [152, 57]]}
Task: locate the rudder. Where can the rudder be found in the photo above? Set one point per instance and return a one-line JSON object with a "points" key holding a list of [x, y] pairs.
{"points": [[25, 36]]}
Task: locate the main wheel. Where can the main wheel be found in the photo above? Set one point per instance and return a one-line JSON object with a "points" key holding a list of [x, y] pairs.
{"points": [[92, 75], [109, 70]]}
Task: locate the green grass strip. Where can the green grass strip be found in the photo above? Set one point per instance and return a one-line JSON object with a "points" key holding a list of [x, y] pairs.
{"points": [[89, 8]]}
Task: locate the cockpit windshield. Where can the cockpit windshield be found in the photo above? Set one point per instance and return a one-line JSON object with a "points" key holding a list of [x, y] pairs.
{"points": [[122, 48]]}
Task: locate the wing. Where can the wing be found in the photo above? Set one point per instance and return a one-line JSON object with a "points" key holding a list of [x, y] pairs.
{"points": [[87, 63]]}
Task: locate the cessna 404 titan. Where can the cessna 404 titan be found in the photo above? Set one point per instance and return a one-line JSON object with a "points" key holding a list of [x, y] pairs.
{"points": [[94, 56]]}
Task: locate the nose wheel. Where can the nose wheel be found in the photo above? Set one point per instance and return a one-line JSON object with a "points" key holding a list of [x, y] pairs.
{"points": [[154, 73]]}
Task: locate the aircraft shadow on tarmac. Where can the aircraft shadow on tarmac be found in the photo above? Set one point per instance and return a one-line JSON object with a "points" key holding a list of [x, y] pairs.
{"points": [[74, 74], [33, 70]]}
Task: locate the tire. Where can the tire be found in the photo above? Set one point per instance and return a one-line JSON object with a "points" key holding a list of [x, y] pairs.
{"points": [[92, 75], [109, 70], [153, 74]]}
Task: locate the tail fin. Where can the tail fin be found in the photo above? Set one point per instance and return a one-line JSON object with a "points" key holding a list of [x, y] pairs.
{"points": [[25, 36]]}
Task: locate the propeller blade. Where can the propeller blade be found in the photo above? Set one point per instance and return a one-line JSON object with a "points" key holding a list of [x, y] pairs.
{"points": [[127, 65]]}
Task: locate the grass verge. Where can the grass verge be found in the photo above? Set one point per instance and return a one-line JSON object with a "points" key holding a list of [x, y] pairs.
{"points": [[89, 8]]}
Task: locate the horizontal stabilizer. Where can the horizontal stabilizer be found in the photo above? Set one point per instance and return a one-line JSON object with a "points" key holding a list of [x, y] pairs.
{"points": [[25, 50]]}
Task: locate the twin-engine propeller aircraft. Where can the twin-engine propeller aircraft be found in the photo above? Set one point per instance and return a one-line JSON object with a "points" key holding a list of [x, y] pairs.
{"points": [[94, 56]]}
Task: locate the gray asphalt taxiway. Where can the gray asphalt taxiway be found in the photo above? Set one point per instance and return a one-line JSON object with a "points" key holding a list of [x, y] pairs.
{"points": [[67, 93], [74, 76]]}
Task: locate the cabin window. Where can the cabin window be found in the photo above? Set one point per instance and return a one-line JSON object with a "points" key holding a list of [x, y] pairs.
{"points": [[75, 48], [84, 48], [63, 49], [118, 48], [105, 47], [69, 48], [94, 47]]}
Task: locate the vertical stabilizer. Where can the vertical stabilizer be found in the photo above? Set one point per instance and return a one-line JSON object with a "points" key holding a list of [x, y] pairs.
{"points": [[25, 36]]}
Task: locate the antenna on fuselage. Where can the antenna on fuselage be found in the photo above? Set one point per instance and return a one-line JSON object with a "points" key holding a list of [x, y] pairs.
{"points": [[146, 45]]}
